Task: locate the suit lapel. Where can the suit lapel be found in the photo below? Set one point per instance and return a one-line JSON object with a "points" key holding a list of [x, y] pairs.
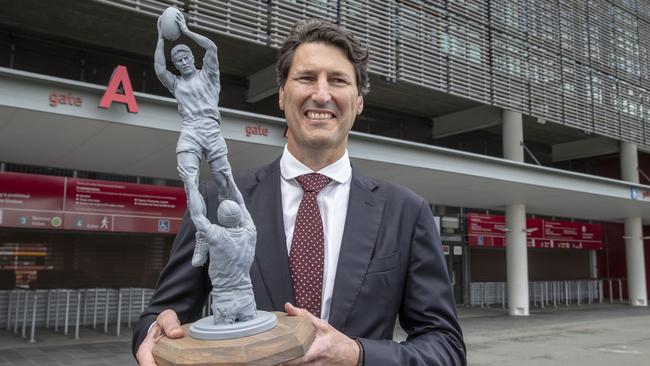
{"points": [[271, 251], [359, 235]]}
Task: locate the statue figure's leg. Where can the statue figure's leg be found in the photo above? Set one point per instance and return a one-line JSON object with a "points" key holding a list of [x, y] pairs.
{"points": [[191, 162], [222, 308], [247, 309], [219, 168]]}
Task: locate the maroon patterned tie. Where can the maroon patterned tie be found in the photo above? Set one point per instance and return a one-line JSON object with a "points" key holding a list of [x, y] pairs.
{"points": [[307, 245]]}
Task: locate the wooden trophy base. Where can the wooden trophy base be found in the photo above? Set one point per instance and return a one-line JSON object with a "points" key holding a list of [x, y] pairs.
{"points": [[289, 339]]}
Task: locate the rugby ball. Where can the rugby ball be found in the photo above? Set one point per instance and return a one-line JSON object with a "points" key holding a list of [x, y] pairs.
{"points": [[168, 26]]}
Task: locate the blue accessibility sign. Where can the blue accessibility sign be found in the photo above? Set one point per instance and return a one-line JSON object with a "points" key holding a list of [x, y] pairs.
{"points": [[163, 226]]}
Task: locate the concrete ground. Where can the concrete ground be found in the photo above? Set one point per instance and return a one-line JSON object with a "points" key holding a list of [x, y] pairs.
{"points": [[607, 334]]}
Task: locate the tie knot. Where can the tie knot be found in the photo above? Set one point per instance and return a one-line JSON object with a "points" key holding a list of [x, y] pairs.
{"points": [[313, 182]]}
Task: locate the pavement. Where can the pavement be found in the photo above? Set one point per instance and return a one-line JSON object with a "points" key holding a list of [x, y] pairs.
{"points": [[588, 335]]}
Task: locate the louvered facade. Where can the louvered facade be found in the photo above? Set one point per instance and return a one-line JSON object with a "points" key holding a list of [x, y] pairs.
{"points": [[581, 63]]}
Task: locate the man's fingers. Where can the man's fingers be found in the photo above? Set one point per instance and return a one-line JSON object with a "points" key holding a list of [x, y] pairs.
{"points": [[170, 325], [316, 322], [145, 352]]}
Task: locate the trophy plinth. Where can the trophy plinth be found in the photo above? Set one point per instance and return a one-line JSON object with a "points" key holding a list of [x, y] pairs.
{"points": [[289, 339]]}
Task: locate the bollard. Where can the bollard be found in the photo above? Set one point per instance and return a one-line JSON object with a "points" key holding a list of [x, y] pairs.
{"points": [[119, 311], [95, 311], [16, 313], [47, 309], [67, 311], [600, 291], [85, 319], [578, 292], [142, 302], [56, 309], [128, 322], [23, 334], [106, 312], [33, 330], [76, 325], [11, 293], [620, 290]]}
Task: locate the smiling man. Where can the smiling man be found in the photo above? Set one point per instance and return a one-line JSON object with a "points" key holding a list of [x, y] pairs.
{"points": [[349, 252]]}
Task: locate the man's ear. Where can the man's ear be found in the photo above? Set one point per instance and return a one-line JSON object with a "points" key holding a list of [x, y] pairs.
{"points": [[281, 98], [359, 104]]}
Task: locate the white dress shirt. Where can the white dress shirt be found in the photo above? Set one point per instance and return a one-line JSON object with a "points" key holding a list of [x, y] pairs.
{"points": [[333, 206]]}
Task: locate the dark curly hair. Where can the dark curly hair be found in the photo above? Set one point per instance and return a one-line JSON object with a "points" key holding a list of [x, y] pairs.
{"points": [[320, 30]]}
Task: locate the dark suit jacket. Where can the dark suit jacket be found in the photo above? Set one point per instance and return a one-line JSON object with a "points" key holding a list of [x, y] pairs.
{"points": [[390, 264]]}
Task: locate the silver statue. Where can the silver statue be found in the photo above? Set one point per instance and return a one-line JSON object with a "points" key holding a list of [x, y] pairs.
{"points": [[230, 242]]}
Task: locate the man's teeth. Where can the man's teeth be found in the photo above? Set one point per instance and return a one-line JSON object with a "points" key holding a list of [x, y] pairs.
{"points": [[314, 115]]}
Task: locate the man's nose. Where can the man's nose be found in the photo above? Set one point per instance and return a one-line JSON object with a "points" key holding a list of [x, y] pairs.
{"points": [[322, 91]]}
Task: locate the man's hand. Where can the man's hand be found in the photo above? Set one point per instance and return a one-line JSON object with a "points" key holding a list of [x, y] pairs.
{"points": [[330, 347], [167, 324], [180, 20], [188, 176], [160, 36]]}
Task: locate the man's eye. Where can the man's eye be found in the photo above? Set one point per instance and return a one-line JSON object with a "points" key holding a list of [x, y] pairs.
{"points": [[304, 79], [339, 81]]}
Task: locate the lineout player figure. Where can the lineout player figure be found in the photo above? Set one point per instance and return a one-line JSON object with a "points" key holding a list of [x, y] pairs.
{"points": [[197, 94], [231, 244]]}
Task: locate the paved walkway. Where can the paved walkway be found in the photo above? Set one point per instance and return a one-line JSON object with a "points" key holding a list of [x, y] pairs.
{"points": [[583, 336]]}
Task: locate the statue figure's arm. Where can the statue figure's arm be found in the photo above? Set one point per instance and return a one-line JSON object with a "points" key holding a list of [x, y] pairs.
{"points": [[160, 64], [236, 196], [210, 59], [195, 203]]}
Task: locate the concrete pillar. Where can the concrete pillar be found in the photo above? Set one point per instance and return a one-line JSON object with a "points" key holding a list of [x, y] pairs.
{"points": [[516, 248], [629, 162], [517, 260], [634, 255], [513, 136]]}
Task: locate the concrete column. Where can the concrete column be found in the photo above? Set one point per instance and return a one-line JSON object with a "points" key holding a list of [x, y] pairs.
{"points": [[517, 260], [629, 162], [516, 248], [513, 136], [634, 255], [636, 286]]}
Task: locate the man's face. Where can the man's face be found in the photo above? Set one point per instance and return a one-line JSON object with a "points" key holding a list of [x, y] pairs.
{"points": [[320, 98], [184, 63]]}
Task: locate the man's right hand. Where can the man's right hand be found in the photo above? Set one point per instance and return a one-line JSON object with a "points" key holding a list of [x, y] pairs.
{"points": [[167, 324]]}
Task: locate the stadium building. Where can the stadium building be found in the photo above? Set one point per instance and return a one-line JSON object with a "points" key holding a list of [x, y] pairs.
{"points": [[525, 124]]}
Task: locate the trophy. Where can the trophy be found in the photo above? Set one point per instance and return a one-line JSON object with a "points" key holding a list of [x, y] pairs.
{"points": [[236, 333]]}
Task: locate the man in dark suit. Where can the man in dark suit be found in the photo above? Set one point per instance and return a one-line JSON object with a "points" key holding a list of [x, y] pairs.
{"points": [[379, 255]]}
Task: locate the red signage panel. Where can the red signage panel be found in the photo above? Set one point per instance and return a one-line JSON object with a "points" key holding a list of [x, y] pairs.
{"points": [[35, 201], [31, 192], [490, 231]]}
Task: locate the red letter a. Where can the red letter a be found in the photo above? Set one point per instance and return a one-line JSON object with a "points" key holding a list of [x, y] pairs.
{"points": [[120, 76]]}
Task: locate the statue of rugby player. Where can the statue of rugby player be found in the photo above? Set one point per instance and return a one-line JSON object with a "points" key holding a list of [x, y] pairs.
{"points": [[197, 94]]}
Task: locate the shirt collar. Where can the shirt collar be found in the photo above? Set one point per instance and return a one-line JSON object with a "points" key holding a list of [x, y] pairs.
{"points": [[339, 171]]}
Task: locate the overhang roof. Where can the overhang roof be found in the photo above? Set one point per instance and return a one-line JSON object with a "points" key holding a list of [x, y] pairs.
{"points": [[143, 144]]}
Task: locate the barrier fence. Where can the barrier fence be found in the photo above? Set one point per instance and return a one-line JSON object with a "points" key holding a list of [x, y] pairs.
{"points": [[551, 293], [66, 310]]}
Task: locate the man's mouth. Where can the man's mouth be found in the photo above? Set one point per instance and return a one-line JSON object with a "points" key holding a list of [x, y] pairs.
{"points": [[319, 115]]}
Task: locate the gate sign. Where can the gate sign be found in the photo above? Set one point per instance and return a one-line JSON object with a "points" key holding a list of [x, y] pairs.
{"points": [[490, 231], [46, 202]]}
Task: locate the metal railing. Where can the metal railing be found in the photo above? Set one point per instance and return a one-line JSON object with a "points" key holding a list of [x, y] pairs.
{"points": [[66, 310], [550, 293]]}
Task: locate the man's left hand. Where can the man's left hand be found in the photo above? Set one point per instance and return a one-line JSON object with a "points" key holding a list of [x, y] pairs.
{"points": [[330, 347]]}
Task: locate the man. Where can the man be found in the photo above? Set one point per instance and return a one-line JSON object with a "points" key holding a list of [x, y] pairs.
{"points": [[382, 256]]}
